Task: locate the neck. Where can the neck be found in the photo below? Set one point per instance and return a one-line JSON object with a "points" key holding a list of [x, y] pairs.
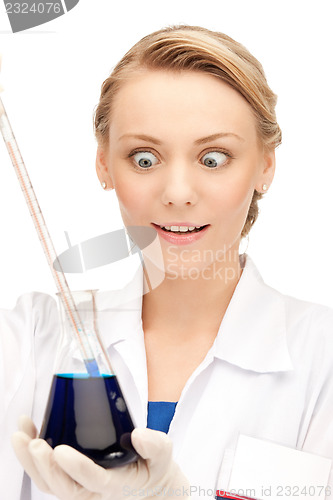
{"points": [[187, 306]]}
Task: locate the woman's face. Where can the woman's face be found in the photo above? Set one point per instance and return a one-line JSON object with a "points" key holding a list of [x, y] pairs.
{"points": [[184, 152]]}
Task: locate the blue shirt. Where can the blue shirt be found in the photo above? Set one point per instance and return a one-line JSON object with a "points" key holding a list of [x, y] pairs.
{"points": [[160, 414]]}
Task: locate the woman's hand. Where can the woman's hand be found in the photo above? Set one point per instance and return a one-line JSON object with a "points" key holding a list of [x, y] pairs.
{"points": [[69, 475]]}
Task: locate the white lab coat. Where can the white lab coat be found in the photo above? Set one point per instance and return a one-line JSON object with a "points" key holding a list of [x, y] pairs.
{"points": [[269, 374]]}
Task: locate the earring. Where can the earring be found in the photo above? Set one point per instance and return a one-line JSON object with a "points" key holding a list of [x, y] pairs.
{"points": [[103, 184], [243, 246], [264, 187]]}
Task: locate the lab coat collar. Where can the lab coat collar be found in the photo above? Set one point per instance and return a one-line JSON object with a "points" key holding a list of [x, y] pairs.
{"points": [[119, 316], [252, 334], [119, 311]]}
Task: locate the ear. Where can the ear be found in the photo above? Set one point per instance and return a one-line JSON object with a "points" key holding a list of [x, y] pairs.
{"points": [[267, 170], [102, 168]]}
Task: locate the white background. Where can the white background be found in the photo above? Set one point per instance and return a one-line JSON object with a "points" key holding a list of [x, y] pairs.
{"points": [[52, 76]]}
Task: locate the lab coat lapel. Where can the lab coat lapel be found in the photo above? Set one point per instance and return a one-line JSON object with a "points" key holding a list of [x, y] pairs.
{"points": [[121, 327], [252, 334], [132, 375]]}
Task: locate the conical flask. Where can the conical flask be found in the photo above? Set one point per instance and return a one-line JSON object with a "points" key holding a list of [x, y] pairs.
{"points": [[86, 408]]}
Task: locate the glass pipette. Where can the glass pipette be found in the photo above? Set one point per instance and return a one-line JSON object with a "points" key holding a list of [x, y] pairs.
{"points": [[49, 250]]}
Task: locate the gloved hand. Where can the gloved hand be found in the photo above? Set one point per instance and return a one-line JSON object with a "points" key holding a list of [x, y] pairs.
{"points": [[70, 475]]}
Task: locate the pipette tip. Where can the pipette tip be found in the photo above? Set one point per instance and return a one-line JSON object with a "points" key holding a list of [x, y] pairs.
{"points": [[92, 368]]}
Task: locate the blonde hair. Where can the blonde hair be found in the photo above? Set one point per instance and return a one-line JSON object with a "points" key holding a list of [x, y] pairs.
{"points": [[193, 48]]}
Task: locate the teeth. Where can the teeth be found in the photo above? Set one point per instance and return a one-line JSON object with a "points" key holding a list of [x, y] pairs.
{"points": [[181, 229]]}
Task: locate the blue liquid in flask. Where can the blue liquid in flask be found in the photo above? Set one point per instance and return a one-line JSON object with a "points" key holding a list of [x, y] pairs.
{"points": [[89, 414]]}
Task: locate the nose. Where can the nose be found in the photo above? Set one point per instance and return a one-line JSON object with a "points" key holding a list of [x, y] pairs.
{"points": [[179, 186]]}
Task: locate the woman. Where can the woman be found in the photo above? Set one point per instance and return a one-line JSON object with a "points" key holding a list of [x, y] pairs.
{"points": [[186, 133]]}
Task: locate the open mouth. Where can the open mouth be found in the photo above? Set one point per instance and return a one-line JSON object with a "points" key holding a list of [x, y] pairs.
{"points": [[182, 229]]}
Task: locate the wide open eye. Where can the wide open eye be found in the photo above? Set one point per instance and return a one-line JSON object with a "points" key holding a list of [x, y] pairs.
{"points": [[214, 159], [145, 159]]}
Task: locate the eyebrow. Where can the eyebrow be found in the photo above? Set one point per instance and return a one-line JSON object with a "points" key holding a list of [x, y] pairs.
{"points": [[203, 140], [218, 136], [143, 137]]}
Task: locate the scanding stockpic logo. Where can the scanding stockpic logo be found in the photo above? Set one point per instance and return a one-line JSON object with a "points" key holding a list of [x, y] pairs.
{"points": [[29, 13]]}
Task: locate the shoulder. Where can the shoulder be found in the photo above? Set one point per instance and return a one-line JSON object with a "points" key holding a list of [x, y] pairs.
{"points": [[29, 302], [304, 327], [299, 315], [309, 329], [30, 313], [307, 317]]}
